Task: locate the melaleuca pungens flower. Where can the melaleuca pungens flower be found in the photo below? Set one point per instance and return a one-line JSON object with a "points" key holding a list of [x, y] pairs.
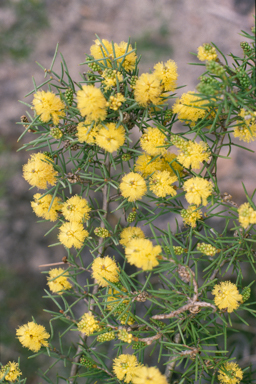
{"points": [[48, 106], [125, 367], [104, 270], [33, 336], [39, 171]]}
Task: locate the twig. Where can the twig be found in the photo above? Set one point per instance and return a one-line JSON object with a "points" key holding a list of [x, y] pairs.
{"points": [[105, 202]]}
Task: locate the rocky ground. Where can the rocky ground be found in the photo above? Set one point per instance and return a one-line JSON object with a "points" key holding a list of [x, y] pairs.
{"points": [[163, 29]]}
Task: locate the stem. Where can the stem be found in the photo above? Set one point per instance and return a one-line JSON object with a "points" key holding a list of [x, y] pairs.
{"points": [[105, 202]]}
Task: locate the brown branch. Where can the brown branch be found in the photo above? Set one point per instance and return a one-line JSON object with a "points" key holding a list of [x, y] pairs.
{"points": [[149, 340]]}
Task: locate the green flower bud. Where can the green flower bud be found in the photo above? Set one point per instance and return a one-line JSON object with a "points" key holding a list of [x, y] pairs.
{"points": [[138, 345], [69, 95], [126, 157], [56, 133], [93, 65], [87, 363], [131, 217], [108, 336], [246, 293], [215, 68], [207, 249], [101, 232]]}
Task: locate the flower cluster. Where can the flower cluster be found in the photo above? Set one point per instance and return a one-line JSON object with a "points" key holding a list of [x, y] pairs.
{"points": [[10, 371], [39, 171], [104, 270], [33, 336], [227, 296], [88, 324], [247, 215], [58, 280]]}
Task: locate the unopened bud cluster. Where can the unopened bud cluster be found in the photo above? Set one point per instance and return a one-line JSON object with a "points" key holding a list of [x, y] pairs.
{"points": [[207, 249], [215, 68], [69, 96], [108, 336], [243, 77], [246, 293], [101, 232], [94, 66], [178, 250], [56, 133], [138, 345], [246, 48], [125, 336], [87, 363], [131, 217], [126, 157]]}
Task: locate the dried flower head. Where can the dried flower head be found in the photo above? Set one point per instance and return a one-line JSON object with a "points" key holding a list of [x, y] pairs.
{"points": [[33, 336]]}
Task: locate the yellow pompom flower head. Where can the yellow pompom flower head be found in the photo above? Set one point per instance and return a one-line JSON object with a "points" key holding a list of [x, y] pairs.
{"points": [[88, 324], [91, 103], [247, 215], [161, 184], [133, 186], [33, 336], [129, 234], [48, 106], [148, 90], [72, 234], [39, 171], [10, 371], [142, 253], [153, 142], [58, 280], [41, 206], [128, 59], [104, 270], [193, 154], [227, 296], [246, 130], [206, 52], [191, 215], [149, 375], [87, 132], [125, 366], [198, 190], [111, 138], [111, 78], [190, 108], [76, 209], [230, 373], [167, 74]]}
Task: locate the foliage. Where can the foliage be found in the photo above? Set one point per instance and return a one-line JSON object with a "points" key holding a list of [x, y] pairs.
{"points": [[177, 304]]}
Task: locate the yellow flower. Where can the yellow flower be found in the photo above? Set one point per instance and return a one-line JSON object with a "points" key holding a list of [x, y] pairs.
{"points": [[125, 367], [115, 102], [149, 375], [230, 373], [88, 324], [110, 78], [153, 141], [169, 164], [198, 189], [129, 234], [193, 154], [160, 184], [72, 234], [58, 280], [125, 336], [41, 206], [145, 165], [39, 171], [246, 131], [167, 74], [247, 215], [111, 138], [87, 134], [142, 253], [190, 107], [98, 51], [147, 90], [130, 59], [91, 103], [206, 52], [227, 296], [104, 270], [10, 371], [76, 209], [33, 336], [115, 298], [207, 249], [48, 106], [133, 186], [191, 215]]}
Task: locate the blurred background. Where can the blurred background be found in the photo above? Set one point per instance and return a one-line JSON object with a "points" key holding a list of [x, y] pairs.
{"points": [[29, 32]]}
